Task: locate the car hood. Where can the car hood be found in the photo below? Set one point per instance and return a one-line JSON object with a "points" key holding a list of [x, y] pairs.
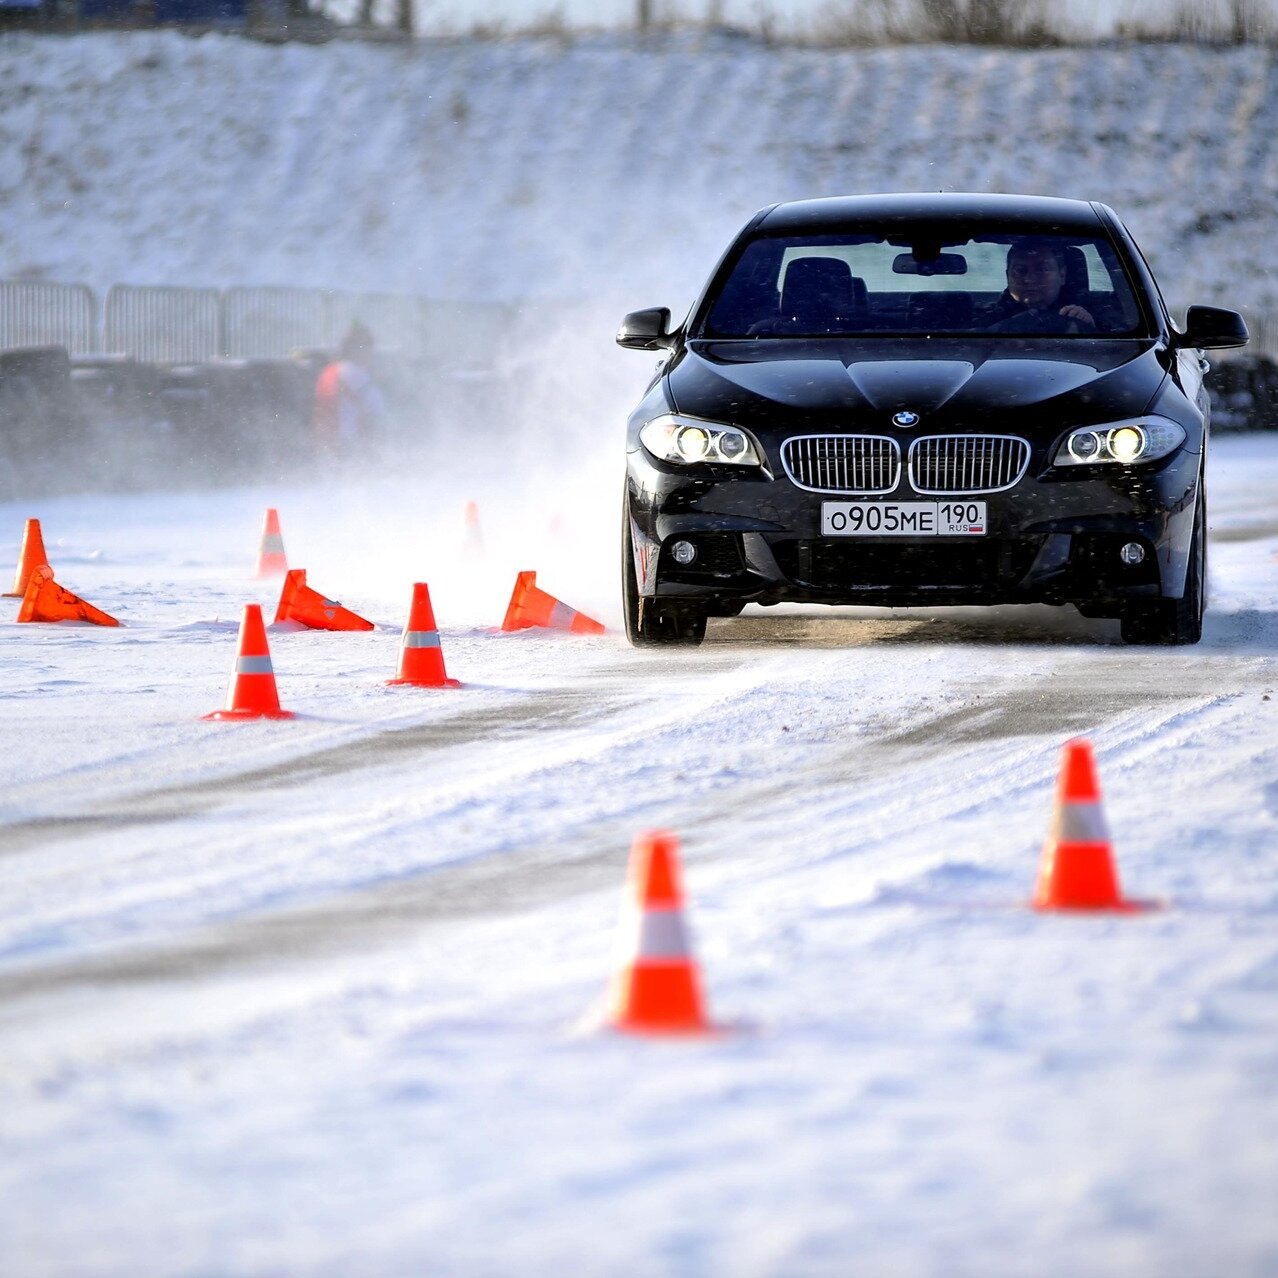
{"points": [[787, 382]]}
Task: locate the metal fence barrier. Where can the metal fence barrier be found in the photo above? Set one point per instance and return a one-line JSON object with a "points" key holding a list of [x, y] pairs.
{"points": [[269, 323], [37, 314], [163, 325], [191, 325]]}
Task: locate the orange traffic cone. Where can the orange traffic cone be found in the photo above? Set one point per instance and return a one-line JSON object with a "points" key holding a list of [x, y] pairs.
{"points": [[473, 539], [45, 600], [529, 606], [271, 561], [656, 988], [251, 693], [298, 602], [421, 659], [1077, 871], [30, 558]]}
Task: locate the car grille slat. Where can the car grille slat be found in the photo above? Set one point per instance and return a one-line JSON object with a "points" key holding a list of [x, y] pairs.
{"points": [[843, 463], [967, 463]]}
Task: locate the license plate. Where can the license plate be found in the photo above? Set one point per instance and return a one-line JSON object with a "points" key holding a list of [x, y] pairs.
{"points": [[903, 519]]}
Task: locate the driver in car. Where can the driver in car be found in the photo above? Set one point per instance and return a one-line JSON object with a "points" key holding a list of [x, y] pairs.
{"points": [[1032, 301]]}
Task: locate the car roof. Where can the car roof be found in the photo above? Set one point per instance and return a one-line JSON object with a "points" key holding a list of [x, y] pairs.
{"points": [[839, 211]]}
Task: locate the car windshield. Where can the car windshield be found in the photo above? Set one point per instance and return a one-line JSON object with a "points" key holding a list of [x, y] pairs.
{"points": [[924, 280]]}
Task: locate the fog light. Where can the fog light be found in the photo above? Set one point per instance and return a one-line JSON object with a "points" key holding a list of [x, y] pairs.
{"points": [[683, 552], [1132, 552]]}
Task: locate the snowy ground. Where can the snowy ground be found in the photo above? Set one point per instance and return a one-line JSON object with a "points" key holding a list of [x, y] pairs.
{"points": [[307, 997]]}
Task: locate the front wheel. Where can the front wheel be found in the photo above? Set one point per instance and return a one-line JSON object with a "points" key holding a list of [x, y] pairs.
{"points": [[650, 623], [1175, 621]]}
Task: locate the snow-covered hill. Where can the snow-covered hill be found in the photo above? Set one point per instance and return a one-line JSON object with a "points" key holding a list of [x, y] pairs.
{"points": [[597, 168]]}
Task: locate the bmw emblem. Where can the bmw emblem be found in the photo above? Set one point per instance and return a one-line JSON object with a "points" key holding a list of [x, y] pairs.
{"points": [[905, 418]]}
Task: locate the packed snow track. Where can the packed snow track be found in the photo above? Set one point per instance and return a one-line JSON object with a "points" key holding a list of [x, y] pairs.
{"points": [[316, 996]]}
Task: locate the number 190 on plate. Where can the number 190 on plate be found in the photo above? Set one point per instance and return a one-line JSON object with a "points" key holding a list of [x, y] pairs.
{"points": [[903, 519]]}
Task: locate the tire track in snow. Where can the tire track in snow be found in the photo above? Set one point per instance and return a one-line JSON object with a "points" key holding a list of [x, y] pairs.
{"points": [[567, 708], [903, 776]]}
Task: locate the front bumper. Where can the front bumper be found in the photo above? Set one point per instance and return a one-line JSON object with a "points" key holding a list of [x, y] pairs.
{"points": [[1053, 538]]}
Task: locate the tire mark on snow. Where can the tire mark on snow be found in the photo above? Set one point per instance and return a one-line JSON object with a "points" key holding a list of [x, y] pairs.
{"points": [[565, 708], [899, 778]]}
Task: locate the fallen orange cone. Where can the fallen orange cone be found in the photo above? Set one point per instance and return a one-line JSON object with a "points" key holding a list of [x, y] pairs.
{"points": [[530, 606], [473, 541], [656, 988], [45, 600], [251, 693], [1077, 870], [271, 561], [298, 602], [421, 659], [30, 558]]}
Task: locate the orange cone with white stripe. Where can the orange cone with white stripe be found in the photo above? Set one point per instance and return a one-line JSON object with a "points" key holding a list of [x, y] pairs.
{"points": [[30, 558], [298, 602], [530, 606], [271, 560], [1077, 870], [656, 988], [251, 693], [45, 600], [421, 659]]}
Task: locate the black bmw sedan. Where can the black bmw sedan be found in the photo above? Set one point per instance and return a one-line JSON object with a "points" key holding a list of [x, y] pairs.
{"points": [[923, 399]]}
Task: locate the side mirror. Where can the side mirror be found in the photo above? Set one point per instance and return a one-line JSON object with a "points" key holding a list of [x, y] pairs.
{"points": [[1209, 328], [645, 330]]}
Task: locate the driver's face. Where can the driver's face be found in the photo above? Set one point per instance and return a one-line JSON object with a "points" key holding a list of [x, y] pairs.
{"points": [[1034, 277]]}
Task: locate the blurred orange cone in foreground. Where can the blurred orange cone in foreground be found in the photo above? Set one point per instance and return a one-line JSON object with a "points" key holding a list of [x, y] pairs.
{"points": [[656, 988], [30, 558], [421, 659], [45, 600], [530, 606], [1077, 870], [251, 693], [473, 540], [271, 561], [298, 602]]}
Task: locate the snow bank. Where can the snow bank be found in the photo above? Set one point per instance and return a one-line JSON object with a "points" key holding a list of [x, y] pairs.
{"points": [[597, 168]]}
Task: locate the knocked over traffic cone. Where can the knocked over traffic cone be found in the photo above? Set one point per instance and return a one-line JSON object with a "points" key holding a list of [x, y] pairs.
{"points": [[421, 659], [656, 988], [30, 558], [251, 694], [473, 540], [270, 556], [1077, 871], [529, 606], [45, 600], [298, 602]]}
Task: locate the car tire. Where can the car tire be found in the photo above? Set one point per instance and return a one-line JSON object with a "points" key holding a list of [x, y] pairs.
{"points": [[1175, 621], [650, 623]]}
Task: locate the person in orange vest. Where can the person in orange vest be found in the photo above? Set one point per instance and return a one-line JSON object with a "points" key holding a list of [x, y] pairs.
{"points": [[349, 406]]}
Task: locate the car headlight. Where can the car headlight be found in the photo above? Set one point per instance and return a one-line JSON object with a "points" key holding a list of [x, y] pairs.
{"points": [[1142, 439], [689, 440]]}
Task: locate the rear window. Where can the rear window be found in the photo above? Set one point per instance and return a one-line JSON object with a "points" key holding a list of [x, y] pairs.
{"points": [[1045, 283]]}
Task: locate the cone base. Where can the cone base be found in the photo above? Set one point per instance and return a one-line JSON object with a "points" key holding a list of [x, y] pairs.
{"points": [[14, 594], [248, 714], [644, 1030], [1115, 907], [423, 683]]}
